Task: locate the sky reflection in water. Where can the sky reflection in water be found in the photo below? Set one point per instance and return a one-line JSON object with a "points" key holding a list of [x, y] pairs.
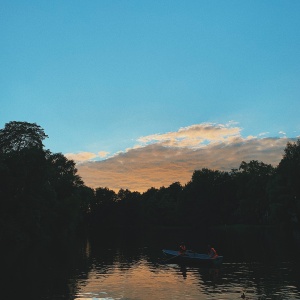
{"points": [[146, 280]]}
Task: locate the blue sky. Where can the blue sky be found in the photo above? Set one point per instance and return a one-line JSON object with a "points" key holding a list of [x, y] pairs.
{"points": [[100, 76]]}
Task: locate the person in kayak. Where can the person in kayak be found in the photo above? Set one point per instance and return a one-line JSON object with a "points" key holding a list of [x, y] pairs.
{"points": [[182, 249], [212, 252]]}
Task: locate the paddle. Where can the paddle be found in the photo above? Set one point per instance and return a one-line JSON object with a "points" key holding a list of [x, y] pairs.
{"points": [[171, 258]]}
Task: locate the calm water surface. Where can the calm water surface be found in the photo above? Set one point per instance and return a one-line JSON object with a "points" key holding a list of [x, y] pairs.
{"points": [[144, 280], [131, 267]]}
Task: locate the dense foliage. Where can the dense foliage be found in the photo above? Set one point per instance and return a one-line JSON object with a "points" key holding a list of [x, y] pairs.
{"points": [[255, 194], [41, 196], [43, 199]]}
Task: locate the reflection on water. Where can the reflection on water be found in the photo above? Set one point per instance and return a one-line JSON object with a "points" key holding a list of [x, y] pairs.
{"points": [[143, 280], [130, 267], [133, 269]]}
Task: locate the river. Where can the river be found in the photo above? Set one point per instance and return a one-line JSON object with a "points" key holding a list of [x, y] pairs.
{"points": [[262, 264]]}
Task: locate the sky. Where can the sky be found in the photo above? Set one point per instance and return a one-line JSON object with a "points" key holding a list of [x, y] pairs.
{"points": [[142, 93]]}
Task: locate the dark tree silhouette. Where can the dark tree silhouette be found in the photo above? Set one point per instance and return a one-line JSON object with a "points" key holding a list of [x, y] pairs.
{"points": [[19, 135], [41, 196], [252, 194]]}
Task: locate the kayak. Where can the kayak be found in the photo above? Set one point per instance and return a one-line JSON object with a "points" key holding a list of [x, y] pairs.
{"points": [[192, 257]]}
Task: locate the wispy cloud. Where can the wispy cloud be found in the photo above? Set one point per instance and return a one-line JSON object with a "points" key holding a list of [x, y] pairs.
{"points": [[86, 156], [103, 154], [194, 136], [161, 159], [263, 133]]}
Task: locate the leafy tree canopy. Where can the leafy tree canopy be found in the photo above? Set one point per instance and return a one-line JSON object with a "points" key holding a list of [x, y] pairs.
{"points": [[20, 135], [289, 167], [256, 168]]}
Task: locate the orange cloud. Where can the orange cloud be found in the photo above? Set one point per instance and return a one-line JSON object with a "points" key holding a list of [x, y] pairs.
{"points": [[193, 136], [171, 157], [85, 156]]}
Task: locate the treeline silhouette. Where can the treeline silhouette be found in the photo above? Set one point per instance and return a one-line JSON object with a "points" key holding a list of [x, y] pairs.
{"points": [[42, 198]]}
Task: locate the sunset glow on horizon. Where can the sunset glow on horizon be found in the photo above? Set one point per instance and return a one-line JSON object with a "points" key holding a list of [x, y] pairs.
{"points": [[162, 159]]}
